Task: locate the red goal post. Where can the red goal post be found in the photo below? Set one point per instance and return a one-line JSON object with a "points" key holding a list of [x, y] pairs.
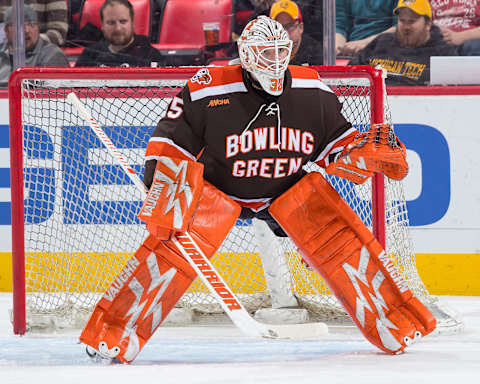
{"points": [[62, 236]]}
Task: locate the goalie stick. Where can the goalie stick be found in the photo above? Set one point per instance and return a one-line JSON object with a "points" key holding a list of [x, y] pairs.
{"points": [[188, 248]]}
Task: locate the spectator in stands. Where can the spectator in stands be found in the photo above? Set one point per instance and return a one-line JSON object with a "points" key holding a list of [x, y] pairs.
{"points": [[406, 53], [459, 23], [120, 46], [305, 50], [52, 18], [358, 22], [38, 51], [312, 11]]}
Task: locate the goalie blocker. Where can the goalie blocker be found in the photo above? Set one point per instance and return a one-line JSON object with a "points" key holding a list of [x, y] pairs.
{"points": [[336, 243], [157, 276]]}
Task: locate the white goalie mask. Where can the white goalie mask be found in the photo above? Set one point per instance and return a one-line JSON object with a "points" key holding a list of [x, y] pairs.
{"points": [[264, 49]]}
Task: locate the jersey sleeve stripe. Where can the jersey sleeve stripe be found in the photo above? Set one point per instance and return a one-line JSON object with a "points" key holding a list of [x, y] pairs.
{"points": [[160, 146], [335, 143], [310, 83], [218, 90]]}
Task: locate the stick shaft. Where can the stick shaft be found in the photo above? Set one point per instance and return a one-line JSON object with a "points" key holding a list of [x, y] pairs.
{"points": [[122, 161]]}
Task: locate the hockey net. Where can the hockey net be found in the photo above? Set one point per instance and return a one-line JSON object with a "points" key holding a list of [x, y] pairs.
{"points": [[74, 210]]}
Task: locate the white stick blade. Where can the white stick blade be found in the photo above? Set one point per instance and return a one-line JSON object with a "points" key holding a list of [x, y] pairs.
{"points": [[300, 331]]}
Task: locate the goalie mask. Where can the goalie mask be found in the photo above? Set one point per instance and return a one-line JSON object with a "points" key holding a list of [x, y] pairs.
{"points": [[264, 49]]}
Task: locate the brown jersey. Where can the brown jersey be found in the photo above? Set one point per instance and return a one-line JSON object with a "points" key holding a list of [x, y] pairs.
{"points": [[253, 145]]}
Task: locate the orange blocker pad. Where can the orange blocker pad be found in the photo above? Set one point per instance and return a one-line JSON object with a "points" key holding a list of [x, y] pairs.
{"points": [[173, 196]]}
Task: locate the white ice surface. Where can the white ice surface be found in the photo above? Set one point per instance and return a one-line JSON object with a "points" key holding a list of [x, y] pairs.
{"points": [[222, 355]]}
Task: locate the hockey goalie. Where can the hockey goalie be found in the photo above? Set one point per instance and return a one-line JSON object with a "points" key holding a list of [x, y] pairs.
{"points": [[232, 144]]}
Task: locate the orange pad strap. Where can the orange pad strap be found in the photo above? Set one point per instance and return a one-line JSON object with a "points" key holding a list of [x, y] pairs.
{"points": [[335, 242], [153, 281], [378, 150]]}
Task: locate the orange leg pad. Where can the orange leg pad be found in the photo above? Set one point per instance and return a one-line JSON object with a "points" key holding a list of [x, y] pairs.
{"points": [[153, 281], [335, 242]]}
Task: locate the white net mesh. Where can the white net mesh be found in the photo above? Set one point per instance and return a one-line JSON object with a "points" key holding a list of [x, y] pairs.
{"points": [[80, 208]]}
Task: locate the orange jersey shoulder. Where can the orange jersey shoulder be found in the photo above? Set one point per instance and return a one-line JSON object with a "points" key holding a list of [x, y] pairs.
{"points": [[304, 77], [302, 72], [213, 81]]}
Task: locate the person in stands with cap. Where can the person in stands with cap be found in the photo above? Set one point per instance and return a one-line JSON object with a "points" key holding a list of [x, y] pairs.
{"points": [[312, 16], [38, 52], [52, 18], [305, 50], [406, 53]]}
